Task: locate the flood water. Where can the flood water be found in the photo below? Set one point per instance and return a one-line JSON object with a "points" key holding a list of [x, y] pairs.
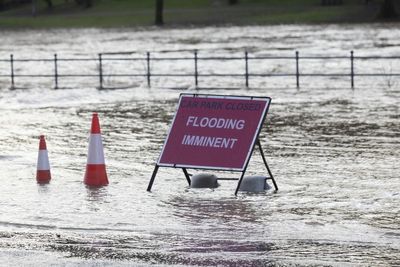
{"points": [[334, 153]]}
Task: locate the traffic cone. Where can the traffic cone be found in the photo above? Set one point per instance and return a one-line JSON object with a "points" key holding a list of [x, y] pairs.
{"points": [[43, 166], [95, 174]]}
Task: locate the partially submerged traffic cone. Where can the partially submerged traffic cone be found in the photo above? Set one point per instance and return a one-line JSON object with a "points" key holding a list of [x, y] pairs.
{"points": [[43, 166], [95, 174]]}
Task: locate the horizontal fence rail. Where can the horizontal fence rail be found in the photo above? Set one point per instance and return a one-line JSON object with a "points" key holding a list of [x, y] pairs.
{"points": [[193, 60]]}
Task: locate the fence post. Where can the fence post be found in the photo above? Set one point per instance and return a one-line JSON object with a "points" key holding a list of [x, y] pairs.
{"points": [[55, 72], [12, 71], [101, 71], [352, 68], [246, 58], [148, 69], [297, 70], [195, 69]]}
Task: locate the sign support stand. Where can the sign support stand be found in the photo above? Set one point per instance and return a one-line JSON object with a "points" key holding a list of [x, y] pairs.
{"points": [[258, 143], [186, 175], [271, 177], [153, 176], [240, 181]]}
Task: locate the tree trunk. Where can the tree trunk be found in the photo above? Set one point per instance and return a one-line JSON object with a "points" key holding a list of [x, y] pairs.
{"points": [[388, 10], [33, 7], [331, 2], [84, 3], [88, 3], [159, 12], [49, 4]]}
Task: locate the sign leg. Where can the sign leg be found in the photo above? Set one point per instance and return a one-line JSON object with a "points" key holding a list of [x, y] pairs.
{"points": [[271, 177], [153, 176], [186, 175], [240, 182]]}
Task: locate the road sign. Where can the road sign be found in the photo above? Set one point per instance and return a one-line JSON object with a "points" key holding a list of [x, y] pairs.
{"points": [[213, 132]]}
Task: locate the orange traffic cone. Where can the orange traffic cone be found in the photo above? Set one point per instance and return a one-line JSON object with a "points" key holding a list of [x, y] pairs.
{"points": [[96, 174], [43, 166]]}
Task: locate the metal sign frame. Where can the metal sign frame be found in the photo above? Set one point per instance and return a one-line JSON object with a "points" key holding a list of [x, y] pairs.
{"points": [[243, 170]]}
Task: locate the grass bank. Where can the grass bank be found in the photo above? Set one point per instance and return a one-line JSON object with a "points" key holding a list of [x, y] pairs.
{"points": [[131, 13]]}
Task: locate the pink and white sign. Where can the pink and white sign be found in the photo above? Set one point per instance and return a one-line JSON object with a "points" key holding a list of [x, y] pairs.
{"points": [[214, 132]]}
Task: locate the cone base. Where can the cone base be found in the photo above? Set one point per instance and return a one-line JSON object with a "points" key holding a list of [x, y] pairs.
{"points": [[96, 175], [43, 176]]}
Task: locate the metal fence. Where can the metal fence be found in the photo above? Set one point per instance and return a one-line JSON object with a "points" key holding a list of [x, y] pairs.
{"points": [[192, 61]]}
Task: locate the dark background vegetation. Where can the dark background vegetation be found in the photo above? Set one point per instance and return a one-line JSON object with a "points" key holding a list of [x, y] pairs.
{"points": [[127, 13]]}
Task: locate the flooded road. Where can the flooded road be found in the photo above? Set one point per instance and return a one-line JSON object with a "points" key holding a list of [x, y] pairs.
{"points": [[334, 153]]}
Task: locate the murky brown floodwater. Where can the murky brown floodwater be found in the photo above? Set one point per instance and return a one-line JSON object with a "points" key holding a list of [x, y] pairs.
{"points": [[334, 153]]}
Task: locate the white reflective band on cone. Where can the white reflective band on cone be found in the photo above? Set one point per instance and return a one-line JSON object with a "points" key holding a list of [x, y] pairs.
{"points": [[95, 154], [43, 161]]}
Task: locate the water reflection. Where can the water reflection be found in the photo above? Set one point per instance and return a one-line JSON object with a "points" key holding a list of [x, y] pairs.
{"points": [[199, 210], [43, 188], [96, 194]]}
